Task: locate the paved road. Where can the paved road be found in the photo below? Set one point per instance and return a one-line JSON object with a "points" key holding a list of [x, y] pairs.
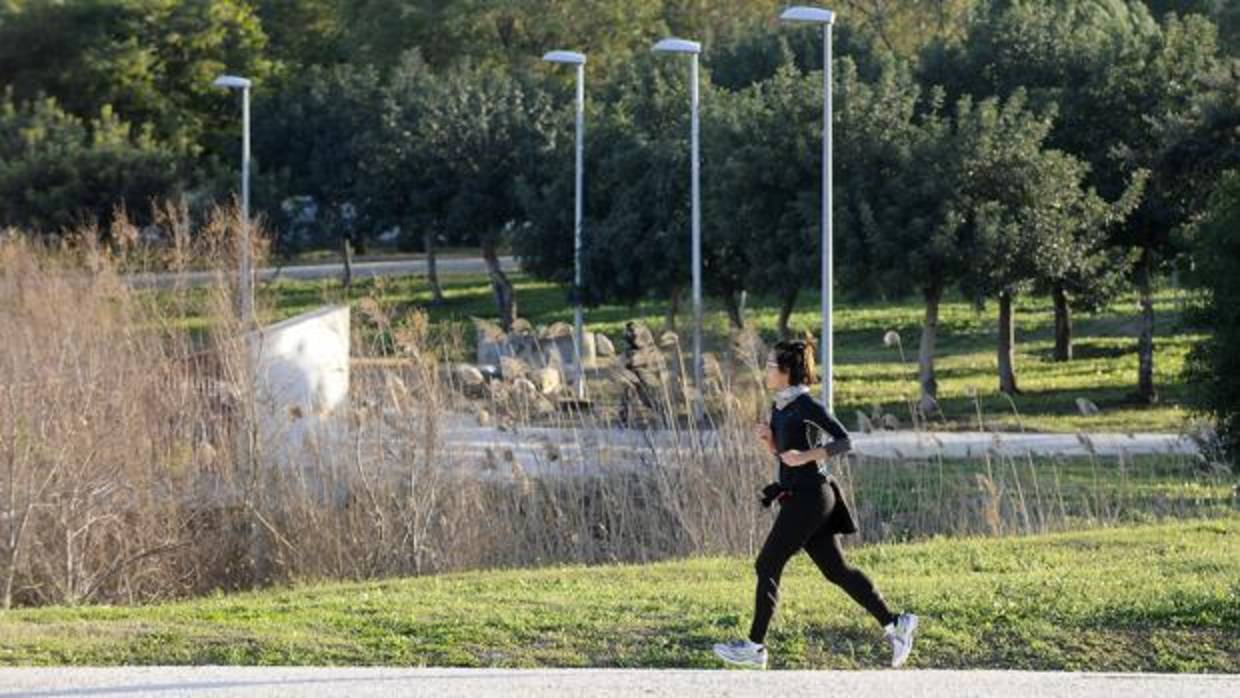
{"points": [[587, 448], [253, 682], [452, 265]]}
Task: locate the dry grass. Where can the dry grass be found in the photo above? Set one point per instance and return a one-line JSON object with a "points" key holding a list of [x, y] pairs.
{"points": [[131, 470]]}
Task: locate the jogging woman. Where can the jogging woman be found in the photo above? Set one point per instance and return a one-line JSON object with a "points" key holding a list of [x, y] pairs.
{"points": [[812, 513]]}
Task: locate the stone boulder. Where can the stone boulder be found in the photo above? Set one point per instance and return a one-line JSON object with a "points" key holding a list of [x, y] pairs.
{"points": [[547, 379], [512, 368], [604, 346]]}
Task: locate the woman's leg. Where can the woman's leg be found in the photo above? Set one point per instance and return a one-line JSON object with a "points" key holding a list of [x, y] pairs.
{"points": [[824, 549], [797, 520]]}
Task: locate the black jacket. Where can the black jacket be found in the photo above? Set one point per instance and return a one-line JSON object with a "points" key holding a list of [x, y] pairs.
{"points": [[801, 425]]}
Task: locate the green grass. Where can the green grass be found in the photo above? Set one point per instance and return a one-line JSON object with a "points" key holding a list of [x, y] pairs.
{"points": [[867, 372], [916, 499], [375, 253], [1146, 598]]}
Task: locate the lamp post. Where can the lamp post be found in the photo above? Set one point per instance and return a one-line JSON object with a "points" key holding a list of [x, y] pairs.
{"points": [[694, 50], [826, 18], [577, 60], [246, 291]]}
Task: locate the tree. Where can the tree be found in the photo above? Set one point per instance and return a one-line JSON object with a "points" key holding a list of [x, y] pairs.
{"points": [[485, 131], [1164, 80], [407, 187], [303, 33], [764, 191], [1214, 364], [1224, 13], [901, 233], [1202, 142], [1030, 215], [312, 136], [509, 34], [58, 171], [150, 61], [639, 241], [1056, 53], [1109, 70]]}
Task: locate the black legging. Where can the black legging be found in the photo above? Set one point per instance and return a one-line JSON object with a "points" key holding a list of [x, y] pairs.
{"points": [[802, 523]]}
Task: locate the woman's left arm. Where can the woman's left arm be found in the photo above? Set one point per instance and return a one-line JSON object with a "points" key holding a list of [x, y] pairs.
{"points": [[840, 443]]}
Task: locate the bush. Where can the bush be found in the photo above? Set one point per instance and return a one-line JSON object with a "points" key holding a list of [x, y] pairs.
{"points": [[1214, 365], [58, 171]]}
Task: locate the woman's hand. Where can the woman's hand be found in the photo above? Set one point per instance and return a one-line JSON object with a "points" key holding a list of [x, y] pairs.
{"points": [[763, 432], [794, 458]]}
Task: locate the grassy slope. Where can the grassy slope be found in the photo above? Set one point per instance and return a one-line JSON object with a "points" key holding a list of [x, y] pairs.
{"points": [[867, 372], [1153, 598]]}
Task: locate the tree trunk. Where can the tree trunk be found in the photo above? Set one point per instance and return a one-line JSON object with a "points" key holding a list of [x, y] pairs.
{"points": [[1007, 345], [929, 335], [735, 302], [673, 309], [1145, 343], [432, 268], [346, 249], [1063, 324], [785, 313], [505, 296]]}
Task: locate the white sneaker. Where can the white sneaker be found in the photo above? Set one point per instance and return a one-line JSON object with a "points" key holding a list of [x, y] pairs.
{"points": [[742, 653], [900, 635]]}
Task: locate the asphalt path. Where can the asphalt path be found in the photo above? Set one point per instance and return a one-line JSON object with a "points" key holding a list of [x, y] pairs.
{"points": [[310, 682], [361, 270]]}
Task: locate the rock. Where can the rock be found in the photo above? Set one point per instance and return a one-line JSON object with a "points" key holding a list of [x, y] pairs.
{"points": [[470, 380], [498, 391], [524, 387], [637, 335], [603, 345], [891, 422], [557, 330], [491, 341], [522, 326], [1086, 407], [512, 368], [484, 418], [543, 406], [561, 351], [468, 376], [669, 339], [547, 379], [864, 425], [646, 369]]}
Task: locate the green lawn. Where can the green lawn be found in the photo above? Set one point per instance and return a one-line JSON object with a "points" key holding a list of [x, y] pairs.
{"points": [[1147, 598], [867, 372], [912, 499]]}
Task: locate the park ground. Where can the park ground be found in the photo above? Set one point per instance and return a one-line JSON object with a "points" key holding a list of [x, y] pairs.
{"points": [[1154, 598]]}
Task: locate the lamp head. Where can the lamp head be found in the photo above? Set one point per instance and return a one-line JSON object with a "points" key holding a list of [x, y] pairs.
{"points": [[674, 45], [812, 15]]}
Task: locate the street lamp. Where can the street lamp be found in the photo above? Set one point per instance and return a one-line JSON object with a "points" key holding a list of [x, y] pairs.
{"points": [[826, 18], [246, 292], [694, 50], [579, 61]]}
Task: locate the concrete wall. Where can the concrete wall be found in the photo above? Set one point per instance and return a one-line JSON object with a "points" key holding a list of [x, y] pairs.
{"points": [[301, 375]]}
